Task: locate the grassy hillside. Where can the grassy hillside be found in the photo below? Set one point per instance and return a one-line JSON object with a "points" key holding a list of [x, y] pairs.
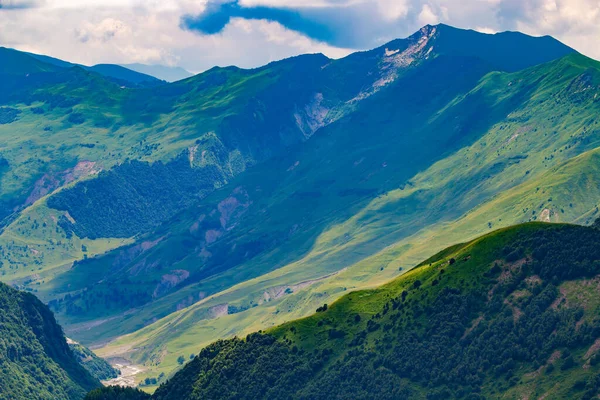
{"points": [[354, 146], [115, 73], [69, 120], [227, 118], [523, 167], [509, 315], [195, 327], [35, 360], [70, 126]]}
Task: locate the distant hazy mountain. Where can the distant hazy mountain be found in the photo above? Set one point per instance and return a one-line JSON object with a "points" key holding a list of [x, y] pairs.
{"points": [[118, 73], [169, 74]]}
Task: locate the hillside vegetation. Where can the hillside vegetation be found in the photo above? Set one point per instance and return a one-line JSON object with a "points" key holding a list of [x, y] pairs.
{"points": [[96, 366], [35, 360], [117, 393], [401, 191], [514, 314], [168, 217]]}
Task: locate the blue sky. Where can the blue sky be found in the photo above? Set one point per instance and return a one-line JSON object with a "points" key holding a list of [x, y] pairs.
{"points": [[198, 34]]}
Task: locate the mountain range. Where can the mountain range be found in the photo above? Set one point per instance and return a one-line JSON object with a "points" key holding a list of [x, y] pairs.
{"points": [[155, 218], [168, 74]]}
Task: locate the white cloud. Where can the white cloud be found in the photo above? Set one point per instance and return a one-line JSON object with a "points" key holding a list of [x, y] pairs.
{"points": [[427, 16], [486, 30], [138, 34], [148, 31], [393, 9], [108, 29]]}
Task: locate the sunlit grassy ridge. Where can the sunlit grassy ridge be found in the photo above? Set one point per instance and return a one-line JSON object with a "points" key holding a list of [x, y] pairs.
{"points": [[498, 317], [334, 175], [523, 168]]}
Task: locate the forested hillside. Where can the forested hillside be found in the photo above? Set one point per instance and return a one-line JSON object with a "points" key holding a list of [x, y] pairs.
{"points": [[35, 360], [514, 314], [96, 366]]}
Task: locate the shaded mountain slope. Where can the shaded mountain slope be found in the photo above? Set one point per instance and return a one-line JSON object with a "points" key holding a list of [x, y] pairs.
{"points": [[346, 212], [14, 62], [296, 181], [306, 98], [514, 173], [116, 73], [125, 75], [231, 118], [117, 393], [36, 362], [341, 142], [511, 314], [495, 48], [225, 118]]}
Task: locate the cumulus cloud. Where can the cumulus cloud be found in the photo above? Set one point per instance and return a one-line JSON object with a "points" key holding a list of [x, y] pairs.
{"points": [[151, 36], [304, 20], [365, 23], [349, 24], [197, 34], [107, 29], [427, 16]]}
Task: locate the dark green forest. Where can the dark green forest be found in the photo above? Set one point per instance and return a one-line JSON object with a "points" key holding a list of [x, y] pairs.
{"points": [[133, 197], [117, 393]]}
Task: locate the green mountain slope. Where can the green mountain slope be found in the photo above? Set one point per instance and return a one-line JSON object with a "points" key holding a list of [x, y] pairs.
{"points": [[76, 125], [361, 209], [523, 168], [117, 393], [513, 314], [72, 116], [117, 73], [296, 98], [14, 62], [96, 366], [35, 360], [353, 146]]}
